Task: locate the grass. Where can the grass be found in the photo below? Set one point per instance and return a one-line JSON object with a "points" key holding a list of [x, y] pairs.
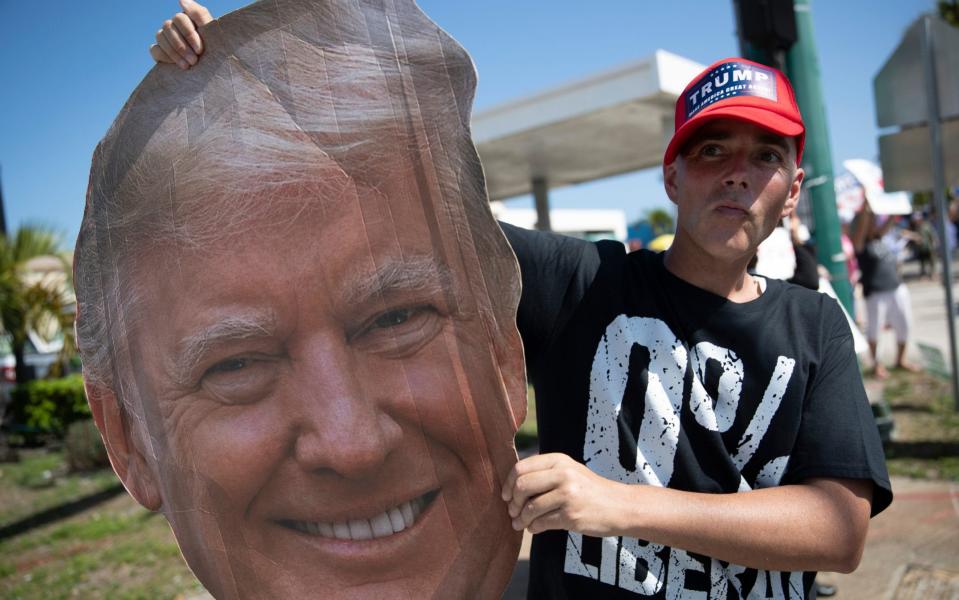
{"points": [[40, 481], [926, 438], [116, 550]]}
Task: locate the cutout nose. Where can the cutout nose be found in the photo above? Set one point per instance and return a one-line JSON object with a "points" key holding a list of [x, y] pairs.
{"points": [[342, 426], [353, 446]]}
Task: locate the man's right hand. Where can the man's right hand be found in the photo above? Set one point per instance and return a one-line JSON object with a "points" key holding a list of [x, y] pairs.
{"points": [[178, 41]]}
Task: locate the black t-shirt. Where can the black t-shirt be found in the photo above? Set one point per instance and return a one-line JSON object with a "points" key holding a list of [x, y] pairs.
{"points": [[878, 266], [648, 379]]}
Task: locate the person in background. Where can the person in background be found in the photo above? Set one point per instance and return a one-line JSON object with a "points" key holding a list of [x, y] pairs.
{"points": [[922, 239], [887, 298]]}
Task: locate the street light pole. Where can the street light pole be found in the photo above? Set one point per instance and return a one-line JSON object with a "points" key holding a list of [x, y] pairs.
{"points": [[802, 66]]}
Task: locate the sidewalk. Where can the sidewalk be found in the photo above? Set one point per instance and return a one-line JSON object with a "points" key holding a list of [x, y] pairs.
{"points": [[928, 315], [912, 551]]}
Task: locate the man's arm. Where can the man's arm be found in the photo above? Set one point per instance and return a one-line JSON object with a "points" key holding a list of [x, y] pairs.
{"points": [[818, 525], [178, 40]]}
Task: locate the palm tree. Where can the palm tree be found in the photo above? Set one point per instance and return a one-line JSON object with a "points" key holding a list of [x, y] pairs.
{"points": [[32, 300]]}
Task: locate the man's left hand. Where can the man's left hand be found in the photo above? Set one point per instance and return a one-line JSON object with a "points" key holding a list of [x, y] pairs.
{"points": [[553, 491]]}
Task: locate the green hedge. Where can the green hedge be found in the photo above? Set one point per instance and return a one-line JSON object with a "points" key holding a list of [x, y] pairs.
{"points": [[49, 405]]}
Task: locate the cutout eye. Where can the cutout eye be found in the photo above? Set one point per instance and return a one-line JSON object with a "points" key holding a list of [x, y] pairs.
{"points": [[241, 379], [393, 318], [229, 365], [399, 332]]}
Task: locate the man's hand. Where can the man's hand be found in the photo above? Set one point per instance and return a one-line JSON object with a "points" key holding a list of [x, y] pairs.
{"points": [[178, 41], [553, 491]]}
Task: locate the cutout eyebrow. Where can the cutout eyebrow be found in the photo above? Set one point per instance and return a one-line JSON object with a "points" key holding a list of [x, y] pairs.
{"points": [[232, 328], [414, 274]]}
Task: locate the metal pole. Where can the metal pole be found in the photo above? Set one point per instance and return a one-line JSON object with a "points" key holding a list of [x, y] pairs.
{"points": [[3, 213], [802, 66], [939, 189], [541, 197]]}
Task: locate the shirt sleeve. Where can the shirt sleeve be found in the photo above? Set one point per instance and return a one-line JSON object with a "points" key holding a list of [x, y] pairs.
{"points": [[838, 436], [556, 271]]}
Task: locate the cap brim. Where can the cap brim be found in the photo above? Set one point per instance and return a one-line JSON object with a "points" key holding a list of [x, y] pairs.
{"points": [[760, 117]]}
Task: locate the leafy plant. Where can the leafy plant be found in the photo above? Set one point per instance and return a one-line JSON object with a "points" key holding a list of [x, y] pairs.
{"points": [[49, 405]]}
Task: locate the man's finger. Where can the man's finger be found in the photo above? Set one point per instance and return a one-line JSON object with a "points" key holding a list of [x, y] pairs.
{"points": [[177, 42], [538, 462], [159, 55], [187, 30], [165, 46], [538, 506], [530, 485], [547, 522], [197, 12]]}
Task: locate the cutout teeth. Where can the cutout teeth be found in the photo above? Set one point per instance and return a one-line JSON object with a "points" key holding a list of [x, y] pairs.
{"points": [[393, 520]]}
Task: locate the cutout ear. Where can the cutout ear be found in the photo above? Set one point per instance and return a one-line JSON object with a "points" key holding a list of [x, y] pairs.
{"points": [[122, 446]]}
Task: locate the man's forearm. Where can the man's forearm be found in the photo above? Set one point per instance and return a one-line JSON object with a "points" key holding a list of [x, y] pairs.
{"points": [[819, 525]]}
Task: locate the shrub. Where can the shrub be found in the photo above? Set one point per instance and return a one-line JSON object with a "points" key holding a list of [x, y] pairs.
{"points": [[49, 405], [83, 447]]}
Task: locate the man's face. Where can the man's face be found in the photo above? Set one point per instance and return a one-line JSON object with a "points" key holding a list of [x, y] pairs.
{"points": [[731, 185], [331, 403]]}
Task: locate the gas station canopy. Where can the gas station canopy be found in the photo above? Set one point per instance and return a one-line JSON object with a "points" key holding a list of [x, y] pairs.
{"points": [[606, 124]]}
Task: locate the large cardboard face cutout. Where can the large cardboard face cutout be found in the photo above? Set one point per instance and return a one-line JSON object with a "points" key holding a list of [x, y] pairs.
{"points": [[296, 313]]}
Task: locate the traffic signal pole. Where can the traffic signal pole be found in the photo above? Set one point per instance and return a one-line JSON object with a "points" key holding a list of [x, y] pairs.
{"points": [[798, 58], [802, 67]]}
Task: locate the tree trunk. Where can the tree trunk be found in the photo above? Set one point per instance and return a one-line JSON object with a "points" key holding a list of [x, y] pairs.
{"points": [[23, 372]]}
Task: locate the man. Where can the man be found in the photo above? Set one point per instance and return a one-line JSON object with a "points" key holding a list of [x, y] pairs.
{"points": [[297, 315], [679, 379], [667, 383]]}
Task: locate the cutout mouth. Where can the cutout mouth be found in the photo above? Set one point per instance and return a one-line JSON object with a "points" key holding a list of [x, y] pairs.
{"points": [[389, 522]]}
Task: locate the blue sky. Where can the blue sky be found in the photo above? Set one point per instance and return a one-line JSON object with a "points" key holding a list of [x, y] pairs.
{"points": [[67, 67]]}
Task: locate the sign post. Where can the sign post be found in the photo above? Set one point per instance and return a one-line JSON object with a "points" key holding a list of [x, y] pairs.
{"points": [[917, 88]]}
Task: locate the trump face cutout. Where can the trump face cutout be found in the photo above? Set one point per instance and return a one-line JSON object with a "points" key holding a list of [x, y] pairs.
{"points": [[297, 315]]}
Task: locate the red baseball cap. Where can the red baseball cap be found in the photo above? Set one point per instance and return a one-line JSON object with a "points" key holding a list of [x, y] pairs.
{"points": [[736, 88]]}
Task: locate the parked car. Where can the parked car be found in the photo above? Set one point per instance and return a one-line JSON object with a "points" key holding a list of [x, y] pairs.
{"points": [[39, 355]]}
